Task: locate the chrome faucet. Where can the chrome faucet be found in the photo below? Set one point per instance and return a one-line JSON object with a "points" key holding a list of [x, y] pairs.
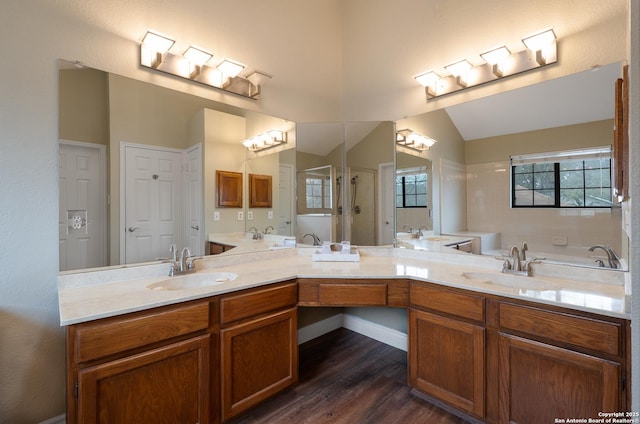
{"points": [[180, 265], [405, 227], [268, 229], [316, 239], [523, 251], [420, 233], [612, 258], [515, 264], [257, 235]]}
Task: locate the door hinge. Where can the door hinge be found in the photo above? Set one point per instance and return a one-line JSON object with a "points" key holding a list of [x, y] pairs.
{"points": [[75, 391], [623, 383]]}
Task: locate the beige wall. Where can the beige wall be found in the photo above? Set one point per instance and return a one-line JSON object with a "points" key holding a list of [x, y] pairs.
{"points": [[84, 105]]}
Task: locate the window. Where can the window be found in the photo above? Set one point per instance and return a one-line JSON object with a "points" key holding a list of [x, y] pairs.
{"points": [[572, 179], [411, 190], [318, 194]]}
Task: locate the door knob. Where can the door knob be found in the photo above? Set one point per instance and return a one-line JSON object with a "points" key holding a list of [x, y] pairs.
{"points": [[132, 229], [195, 227]]}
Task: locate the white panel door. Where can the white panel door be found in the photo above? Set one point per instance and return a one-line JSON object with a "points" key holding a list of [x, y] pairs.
{"points": [[82, 203], [285, 207], [152, 202], [193, 201]]}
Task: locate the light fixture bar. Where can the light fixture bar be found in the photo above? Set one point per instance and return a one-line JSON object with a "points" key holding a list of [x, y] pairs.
{"points": [[500, 63], [266, 140], [192, 65], [413, 140]]}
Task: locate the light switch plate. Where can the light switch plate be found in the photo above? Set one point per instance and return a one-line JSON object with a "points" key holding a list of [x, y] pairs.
{"points": [[270, 215], [216, 216], [250, 215]]}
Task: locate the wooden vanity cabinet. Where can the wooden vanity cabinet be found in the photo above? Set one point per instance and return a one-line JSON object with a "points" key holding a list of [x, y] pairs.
{"points": [[150, 366], [447, 347], [352, 292], [259, 349], [570, 363]]}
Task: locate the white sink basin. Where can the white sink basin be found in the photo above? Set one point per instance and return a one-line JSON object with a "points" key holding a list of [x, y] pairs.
{"points": [[192, 281], [507, 280]]}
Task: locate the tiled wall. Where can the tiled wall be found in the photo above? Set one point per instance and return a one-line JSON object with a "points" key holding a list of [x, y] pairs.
{"points": [[488, 209]]}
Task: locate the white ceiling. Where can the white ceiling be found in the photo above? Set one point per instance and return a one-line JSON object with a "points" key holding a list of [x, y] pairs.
{"points": [[582, 97]]}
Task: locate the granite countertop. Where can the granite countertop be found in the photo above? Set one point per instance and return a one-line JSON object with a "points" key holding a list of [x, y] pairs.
{"points": [[85, 296]]}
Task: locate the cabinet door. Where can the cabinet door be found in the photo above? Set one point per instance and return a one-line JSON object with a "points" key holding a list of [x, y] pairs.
{"points": [[259, 358], [447, 360], [169, 385], [540, 382]]}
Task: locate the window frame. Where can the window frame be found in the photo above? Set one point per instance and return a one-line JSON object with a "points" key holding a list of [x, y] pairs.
{"points": [[404, 191], [556, 158]]}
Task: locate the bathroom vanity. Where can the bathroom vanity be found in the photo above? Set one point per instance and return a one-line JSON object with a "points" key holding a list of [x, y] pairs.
{"points": [[488, 352]]}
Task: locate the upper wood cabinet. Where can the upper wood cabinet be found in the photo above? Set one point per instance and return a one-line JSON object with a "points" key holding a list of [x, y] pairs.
{"points": [[260, 187], [228, 189]]}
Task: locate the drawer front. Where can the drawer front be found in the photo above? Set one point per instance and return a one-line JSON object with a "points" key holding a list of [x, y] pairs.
{"points": [[356, 294], [113, 335], [254, 302], [564, 328], [453, 303]]}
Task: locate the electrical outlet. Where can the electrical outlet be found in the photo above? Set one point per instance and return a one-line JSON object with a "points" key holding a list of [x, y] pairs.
{"points": [[240, 216], [270, 215], [250, 215], [559, 240], [216, 216]]}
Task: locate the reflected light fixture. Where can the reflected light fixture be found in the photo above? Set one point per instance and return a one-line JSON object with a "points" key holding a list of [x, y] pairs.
{"points": [[192, 65], [541, 50], [413, 140], [265, 141]]}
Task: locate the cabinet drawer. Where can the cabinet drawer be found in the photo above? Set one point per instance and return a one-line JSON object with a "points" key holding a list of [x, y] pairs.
{"points": [[113, 335], [255, 302], [565, 328], [450, 302], [360, 292], [357, 294]]}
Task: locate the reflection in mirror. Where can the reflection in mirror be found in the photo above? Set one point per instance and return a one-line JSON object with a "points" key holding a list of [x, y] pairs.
{"points": [[319, 158], [125, 196], [471, 168], [369, 183], [414, 176]]}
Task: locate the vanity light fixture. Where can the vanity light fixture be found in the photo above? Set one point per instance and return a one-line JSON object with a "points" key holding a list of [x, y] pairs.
{"points": [[541, 44], [158, 45], [192, 65], [413, 140], [197, 58], [428, 80], [541, 50], [265, 141], [496, 58], [460, 70]]}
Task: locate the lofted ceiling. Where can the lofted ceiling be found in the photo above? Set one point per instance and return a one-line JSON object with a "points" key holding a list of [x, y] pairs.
{"points": [[575, 99]]}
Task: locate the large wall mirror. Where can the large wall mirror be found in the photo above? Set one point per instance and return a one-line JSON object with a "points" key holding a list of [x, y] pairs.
{"points": [[470, 165], [137, 169]]}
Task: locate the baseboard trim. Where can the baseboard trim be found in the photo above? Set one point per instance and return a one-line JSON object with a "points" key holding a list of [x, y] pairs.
{"points": [[378, 332], [60, 419], [319, 328]]}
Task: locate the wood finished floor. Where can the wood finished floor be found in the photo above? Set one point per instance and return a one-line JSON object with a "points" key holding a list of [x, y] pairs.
{"points": [[347, 378]]}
